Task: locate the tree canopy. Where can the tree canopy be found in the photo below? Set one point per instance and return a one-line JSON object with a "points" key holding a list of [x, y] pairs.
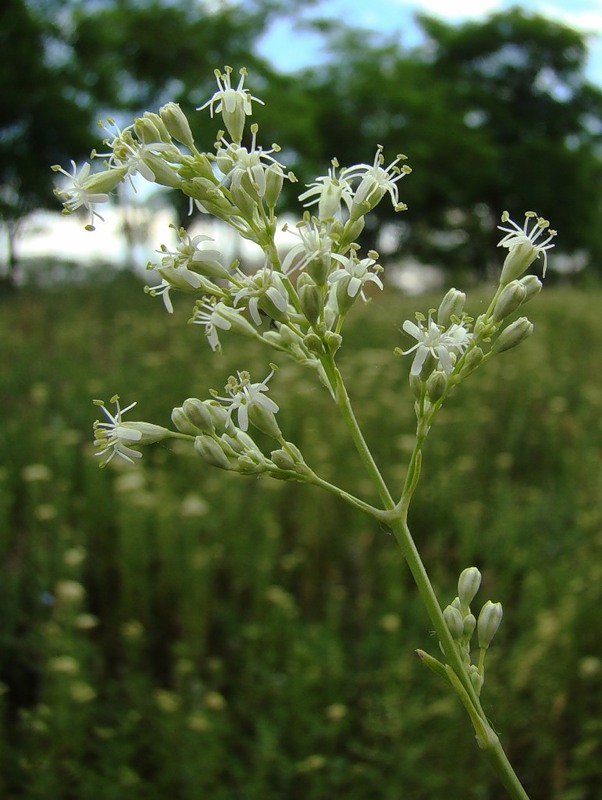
{"points": [[492, 114]]}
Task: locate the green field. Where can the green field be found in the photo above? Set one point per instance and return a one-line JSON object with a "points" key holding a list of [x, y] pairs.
{"points": [[172, 631]]}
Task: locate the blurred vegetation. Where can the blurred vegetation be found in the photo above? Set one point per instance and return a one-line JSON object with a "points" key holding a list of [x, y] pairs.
{"points": [[493, 114], [173, 631]]}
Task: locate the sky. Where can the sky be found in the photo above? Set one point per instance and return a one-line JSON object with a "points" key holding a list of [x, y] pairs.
{"points": [[292, 49]]}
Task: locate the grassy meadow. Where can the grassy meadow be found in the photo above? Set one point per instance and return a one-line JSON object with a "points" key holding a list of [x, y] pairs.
{"points": [[174, 631]]}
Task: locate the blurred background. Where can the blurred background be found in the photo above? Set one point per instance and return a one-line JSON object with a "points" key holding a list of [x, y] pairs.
{"points": [[168, 631]]}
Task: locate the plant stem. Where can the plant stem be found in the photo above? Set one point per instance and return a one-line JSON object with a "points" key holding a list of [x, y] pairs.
{"points": [[396, 518], [344, 404]]}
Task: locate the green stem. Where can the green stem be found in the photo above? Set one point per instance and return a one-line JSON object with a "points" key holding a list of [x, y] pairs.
{"points": [[396, 518], [486, 737], [344, 404]]}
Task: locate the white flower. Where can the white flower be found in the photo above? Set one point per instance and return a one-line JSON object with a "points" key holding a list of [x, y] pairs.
{"points": [[329, 192], [213, 315], [516, 236], [129, 152], [314, 250], [243, 395], [78, 195], [192, 255], [233, 104], [358, 273], [376, 181], [237, 163], [267, 286], [436, 341], [115, 436]]}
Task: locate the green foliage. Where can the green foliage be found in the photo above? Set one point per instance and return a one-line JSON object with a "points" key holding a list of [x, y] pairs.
{"points": [[173, 631], [492, 115]]}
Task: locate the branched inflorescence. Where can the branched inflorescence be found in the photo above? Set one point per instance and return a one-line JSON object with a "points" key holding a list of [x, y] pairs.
{"points": [[296, 304]]}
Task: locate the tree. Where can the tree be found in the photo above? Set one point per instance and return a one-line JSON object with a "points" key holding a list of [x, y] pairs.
{"points": [[520, 78], [42, 117], [66, 63], [492, 115]]}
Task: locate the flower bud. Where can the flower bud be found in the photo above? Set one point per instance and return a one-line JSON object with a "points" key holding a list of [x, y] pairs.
{"points": [[452, 305], [476, 678], [468, 585], [274, 180], [532, 285], [146, 432], [210, 451], [219, 416], [310, 298], [509, 300], [198, 414], [264, 420], [436, 385], [490, 619], [352, 230], [176, 123], [182, 423], [454, 622], [246, 204], [150, 129], [333, 341], [282, 460], [471, 362], [105, 181], [513, 335], [519, 259], [165, 174], [469, 624], [205, 191]]}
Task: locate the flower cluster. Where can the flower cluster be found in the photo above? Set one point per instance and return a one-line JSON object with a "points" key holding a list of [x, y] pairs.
{"points": [[462, 624], [454, 344], [296, 304]]}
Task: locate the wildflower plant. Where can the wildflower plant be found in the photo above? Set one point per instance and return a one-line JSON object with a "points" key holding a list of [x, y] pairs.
{"points": [[296, 305]]}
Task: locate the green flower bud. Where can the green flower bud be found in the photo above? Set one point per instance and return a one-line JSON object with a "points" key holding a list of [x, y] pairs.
{"points": [[282, 460], [471, 362], [199, 167], [219, 416], [436, 385], [476, 678], [451, 305], [352, 230], [274, 180], [333, 341], [176, 123], [182, 423], [511, 297], [513, 335], [310, 298], [245, 202], [150, 129], [211, 198], [264, 420], [210, 451], [469, 624], [532, 286], [198, 414], [165, 174], [105, 181], [313, 343], [344, 299], [468, 585], [489, 621], [454, 622], [519, 259]]}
